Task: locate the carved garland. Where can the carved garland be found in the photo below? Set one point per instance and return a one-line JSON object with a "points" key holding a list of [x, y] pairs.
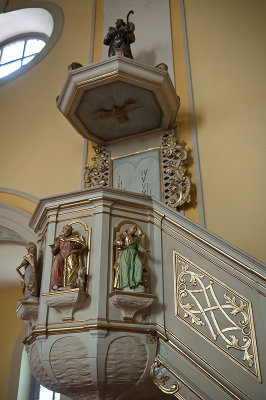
{"points": [[176, 184], [98, 173]]}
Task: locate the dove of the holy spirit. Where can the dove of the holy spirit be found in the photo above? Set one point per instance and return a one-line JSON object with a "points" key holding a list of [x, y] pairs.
{"points": [[119, 113]]}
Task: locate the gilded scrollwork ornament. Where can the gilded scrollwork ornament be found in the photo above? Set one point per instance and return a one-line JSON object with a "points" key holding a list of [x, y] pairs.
{"points": [[160, 377], [217, 312], [98, 173], [177, 184]]}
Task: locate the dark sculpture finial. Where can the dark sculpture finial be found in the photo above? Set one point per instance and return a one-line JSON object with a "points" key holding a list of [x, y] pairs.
{"points": [[120, 37]]}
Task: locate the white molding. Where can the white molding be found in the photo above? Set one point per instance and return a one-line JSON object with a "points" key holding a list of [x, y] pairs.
{"points": [[200, 201], [20, 194], [16, 220]]}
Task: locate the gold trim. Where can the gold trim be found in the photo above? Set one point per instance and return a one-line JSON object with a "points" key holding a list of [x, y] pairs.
{"points": [[86, 328], [158, 89], [97, 171], [178, 377], [161, 382], [177, 256], [116, 230], [115, 292], [44, 331], [89, 230], [56, 331], [213, 255], [136, 152], [76, 97], [205, 372], [218, 251], [59, 292], [177, 185], [116, 321], [158, 148], [148, 208], [184, 243]]}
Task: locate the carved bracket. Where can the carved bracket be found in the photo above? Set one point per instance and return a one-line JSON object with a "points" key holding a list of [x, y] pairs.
{"points": [[66, 302], [160, 378], [130, 302], [98, 173], [28, 311], [176, 184], [170, 383]]}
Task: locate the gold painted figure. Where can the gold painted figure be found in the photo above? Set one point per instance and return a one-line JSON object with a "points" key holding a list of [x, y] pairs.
{"points": [[67, 263], [29, 279], [128, 266]]}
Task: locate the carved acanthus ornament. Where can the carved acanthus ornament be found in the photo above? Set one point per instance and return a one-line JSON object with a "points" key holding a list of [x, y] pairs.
{"points": [[98, 173], [223, 317], [176, 184], [160, 378]]}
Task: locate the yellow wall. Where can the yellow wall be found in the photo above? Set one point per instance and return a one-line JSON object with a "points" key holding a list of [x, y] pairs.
{"points": [[33, 131], [228, 62], [40, 153], [184, 123], [10, 328], [18, 201]]}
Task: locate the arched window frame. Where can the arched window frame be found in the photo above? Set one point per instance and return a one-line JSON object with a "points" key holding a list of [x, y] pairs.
{"points": [[22, 37], [58, 20]]}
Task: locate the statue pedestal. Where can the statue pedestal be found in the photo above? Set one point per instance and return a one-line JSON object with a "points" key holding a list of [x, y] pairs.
{"points": [[130, 302], [28, 310], [65, 301]]}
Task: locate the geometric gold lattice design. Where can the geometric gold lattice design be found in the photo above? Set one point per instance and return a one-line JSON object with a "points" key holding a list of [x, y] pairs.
{"points": [[216, 312]]}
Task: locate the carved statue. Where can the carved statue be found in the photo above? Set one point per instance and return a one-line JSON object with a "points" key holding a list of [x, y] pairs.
{"points": [[120, 37], [67, 265], [128, 266], [29, 279]]}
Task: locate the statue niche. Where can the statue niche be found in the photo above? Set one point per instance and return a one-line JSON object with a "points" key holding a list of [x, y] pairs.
{"points": [[130, 273], [129, 270], [67, 269]]}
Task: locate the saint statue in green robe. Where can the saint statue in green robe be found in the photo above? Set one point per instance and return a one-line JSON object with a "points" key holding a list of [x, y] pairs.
{"points": [[128, 266]]}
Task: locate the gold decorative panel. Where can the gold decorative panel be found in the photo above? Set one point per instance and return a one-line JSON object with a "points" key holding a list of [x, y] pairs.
{"points": [[216, 312]]}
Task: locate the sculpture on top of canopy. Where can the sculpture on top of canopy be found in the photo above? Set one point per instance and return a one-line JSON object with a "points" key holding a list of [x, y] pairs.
{"points": [[120, 37]]}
